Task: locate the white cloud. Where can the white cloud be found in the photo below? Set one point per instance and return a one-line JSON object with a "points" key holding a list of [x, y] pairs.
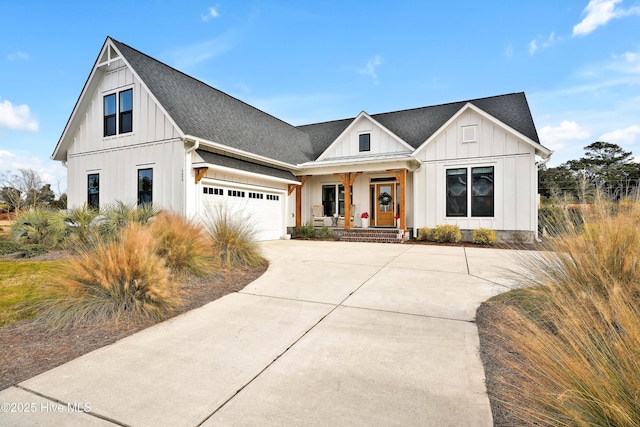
{"points": [[599, 13], [17, 55], [50, 171], [542, 42], [188, 56], [372, 65], [509, 51], [17, 117], [626, 136], [212, 12], [555, 137]]}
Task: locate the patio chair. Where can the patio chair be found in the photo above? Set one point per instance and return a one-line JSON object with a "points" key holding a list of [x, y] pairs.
{"points": [[318, 215]]}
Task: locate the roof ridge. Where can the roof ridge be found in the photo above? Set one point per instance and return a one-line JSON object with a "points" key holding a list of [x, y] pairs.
{"points": [[203, 83], [448, 103]]}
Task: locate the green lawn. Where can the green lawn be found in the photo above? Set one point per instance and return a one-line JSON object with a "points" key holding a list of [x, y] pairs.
{"points": [[22, 284]]}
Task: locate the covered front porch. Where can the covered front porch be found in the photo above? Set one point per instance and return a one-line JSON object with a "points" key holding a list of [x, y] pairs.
{"points": [[374, 199]]}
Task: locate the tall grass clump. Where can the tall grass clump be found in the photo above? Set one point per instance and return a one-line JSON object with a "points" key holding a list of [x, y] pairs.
{"points": [[181, 243], [233, 237], [573, 335], [115, 279]]}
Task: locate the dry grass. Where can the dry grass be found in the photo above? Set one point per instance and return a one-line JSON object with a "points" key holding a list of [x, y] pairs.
{"points": [[233, 236], [124, 277], [181, 243], [572, 337]]}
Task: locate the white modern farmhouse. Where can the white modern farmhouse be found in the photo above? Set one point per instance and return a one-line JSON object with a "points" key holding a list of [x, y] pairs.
{"points": [[143, 131]]}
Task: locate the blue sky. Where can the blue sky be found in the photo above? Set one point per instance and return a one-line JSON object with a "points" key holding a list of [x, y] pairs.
{"points": [[578, 61]]}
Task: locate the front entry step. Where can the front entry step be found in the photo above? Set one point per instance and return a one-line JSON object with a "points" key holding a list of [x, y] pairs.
{"points": [[372, 235]]}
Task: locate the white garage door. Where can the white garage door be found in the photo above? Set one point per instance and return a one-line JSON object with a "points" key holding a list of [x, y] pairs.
{"points": [[264, 208]]}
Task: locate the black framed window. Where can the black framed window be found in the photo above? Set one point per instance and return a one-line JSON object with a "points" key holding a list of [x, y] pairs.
{"points": [[482, 192], [457, 192], [365, 142], [482, 200], [333, 198], [93, 190], [126, 111], [110, 115], [145, 186]]}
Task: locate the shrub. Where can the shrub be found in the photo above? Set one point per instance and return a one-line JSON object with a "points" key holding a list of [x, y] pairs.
{"points": [[120, 214], [573, 337], [324, 233], [307, 231], [484, 236], [125, 277], [233, 236], [30, 251], [76, 226], [447, 233], [181, 243], [426, 234], [557, 220], [36, 226], [7, 247]]}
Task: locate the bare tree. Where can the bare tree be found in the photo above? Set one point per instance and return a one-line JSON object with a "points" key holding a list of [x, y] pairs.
{"points": [[22, 190]]}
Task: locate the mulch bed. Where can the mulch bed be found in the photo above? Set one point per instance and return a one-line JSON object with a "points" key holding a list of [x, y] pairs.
{"points": [[493, 354], [28, 348]]}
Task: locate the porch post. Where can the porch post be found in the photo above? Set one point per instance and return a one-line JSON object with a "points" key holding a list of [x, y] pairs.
{"points": [[298, 188], [402, 180], [347, 182]]}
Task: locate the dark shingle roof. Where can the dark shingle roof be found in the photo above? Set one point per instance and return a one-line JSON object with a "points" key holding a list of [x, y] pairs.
{"points": [[243, 165], [205, 112], [415, 126]]}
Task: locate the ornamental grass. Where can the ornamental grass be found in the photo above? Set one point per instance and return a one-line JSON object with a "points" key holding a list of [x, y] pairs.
{"points": [[233, 237], [124, 278], [572, 336]]}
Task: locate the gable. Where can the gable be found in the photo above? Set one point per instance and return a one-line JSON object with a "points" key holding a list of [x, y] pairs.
{"points": [[470, 133], [380, 141], [85, 129]]}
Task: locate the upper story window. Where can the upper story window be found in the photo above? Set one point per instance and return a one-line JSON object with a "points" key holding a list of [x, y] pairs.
{"points": [[118, 113], [365, 142], [126, 111], [110, 115]]}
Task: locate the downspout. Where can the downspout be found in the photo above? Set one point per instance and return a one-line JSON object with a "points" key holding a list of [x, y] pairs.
{"points": [[187, 171], [539, 164]]}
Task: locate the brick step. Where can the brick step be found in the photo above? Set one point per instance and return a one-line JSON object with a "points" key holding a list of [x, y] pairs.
{"points": [[371, 235]]}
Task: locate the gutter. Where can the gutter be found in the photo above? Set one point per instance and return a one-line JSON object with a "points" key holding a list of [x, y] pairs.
{"points": [[544, 161]]}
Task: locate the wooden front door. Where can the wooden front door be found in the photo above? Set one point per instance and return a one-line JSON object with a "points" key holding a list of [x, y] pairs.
{"points": [[385, 202]]}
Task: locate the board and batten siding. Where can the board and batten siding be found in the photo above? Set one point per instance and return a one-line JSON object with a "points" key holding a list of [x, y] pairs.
{"points": [[348, 145], [515, 174], [153, 143]]}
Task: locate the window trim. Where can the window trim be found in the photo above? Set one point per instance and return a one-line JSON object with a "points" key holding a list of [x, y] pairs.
{"points": [[117, 117], [142, 191], [122, 114], [95, 205], [108, 117], [470, 198], [367, 142]]}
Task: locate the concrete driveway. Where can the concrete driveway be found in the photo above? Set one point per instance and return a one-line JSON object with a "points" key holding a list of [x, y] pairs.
{"points": [[332, 334]]}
